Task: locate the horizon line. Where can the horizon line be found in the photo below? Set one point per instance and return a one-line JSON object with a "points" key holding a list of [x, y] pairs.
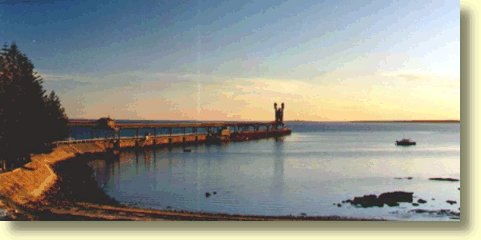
{"points": [[295, 120]]}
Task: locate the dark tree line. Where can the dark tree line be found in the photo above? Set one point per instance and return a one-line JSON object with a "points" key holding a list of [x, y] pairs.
{"points": [[30, 118]]}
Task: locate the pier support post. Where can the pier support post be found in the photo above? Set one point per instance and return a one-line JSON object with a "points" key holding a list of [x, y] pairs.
{"points": [[155, 137], [117, 139], [194, 131]]}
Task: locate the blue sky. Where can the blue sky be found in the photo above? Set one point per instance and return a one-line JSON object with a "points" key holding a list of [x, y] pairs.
{"points": [[329, 60]]}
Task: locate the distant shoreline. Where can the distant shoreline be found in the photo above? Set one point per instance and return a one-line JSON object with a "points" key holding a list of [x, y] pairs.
{"points": [[379, 121], [413, 121]]}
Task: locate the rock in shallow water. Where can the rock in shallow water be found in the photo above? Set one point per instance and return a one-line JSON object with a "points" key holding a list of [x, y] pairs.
{"points": [[389, 198], [367, 201], [422, 201], [396, 197], [440, 212], [451, 202], [444, 179]]}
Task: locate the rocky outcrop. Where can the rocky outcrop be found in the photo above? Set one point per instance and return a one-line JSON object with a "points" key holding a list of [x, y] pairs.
{"points": [[388, 198]]}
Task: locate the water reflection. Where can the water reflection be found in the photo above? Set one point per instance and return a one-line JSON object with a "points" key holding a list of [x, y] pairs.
{"points": [[305, 172], [278, 176]]}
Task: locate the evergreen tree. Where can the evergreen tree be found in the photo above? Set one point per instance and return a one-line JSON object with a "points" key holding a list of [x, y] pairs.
{"points": [[29, 119], [56, 122]]}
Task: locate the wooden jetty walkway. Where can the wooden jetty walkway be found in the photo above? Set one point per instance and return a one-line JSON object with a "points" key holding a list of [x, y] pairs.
{"points": [[168, 133]]}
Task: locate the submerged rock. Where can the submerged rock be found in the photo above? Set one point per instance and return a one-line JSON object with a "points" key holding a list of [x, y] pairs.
{"points": [[422, 201], [400, 178], [451, 202], [444, 179], [440, 212]]}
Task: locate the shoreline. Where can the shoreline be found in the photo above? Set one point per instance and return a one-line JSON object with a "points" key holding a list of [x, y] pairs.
{"points": [[59, 186]]}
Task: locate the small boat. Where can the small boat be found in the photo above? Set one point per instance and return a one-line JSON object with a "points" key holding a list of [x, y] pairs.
{"points": [[405, 142], [187, 150]]}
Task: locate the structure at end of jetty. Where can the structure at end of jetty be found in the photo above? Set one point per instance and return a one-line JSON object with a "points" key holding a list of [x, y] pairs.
{"points": [[127, 134]]}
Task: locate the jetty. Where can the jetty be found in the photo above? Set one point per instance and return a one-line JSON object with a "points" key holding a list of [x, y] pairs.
{"points": [[116, 135]]}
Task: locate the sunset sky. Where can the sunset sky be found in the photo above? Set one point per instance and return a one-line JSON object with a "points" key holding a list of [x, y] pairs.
{"points": [[231, 60]]}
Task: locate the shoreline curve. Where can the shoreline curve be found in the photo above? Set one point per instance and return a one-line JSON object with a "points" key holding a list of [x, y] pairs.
{"points": [[47, 188]]}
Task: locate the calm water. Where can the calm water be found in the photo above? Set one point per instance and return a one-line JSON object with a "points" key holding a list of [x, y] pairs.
{"points": [[304, 173]]}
